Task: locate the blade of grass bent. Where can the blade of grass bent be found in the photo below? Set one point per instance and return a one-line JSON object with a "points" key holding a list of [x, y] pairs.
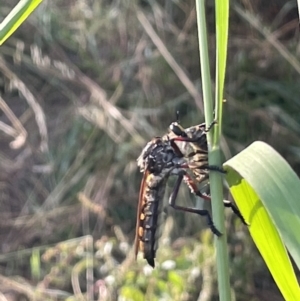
{"points": [[16, 17], [267, 191]]}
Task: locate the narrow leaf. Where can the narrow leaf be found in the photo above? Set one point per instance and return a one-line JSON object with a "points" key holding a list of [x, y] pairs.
{"points": [[16, 17], [222, 20]]}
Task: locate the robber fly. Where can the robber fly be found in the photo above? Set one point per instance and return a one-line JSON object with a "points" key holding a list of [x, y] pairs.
{"points": [[159, 159], [196, 138]]}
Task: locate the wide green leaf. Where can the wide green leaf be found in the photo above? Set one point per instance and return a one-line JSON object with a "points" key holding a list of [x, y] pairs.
{"points": [[267, 192]]}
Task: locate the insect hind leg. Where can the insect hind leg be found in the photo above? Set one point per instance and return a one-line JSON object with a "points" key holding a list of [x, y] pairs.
{"points": [[235, 210], [202, 212], [228, 204]]}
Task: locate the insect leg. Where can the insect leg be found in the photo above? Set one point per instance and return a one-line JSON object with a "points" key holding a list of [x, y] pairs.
{"points": [[214, 168], [235, 210], [210, 126], [203, 127], [194, 188], [199, 167], [189, 139], [202, 212], [228, 204]]}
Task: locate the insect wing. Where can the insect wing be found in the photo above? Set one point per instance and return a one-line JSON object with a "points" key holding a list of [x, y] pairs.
{"points": [[139, 245]]}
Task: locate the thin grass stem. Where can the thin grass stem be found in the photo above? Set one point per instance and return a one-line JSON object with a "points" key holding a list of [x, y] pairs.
{"points": [[214, 157]]}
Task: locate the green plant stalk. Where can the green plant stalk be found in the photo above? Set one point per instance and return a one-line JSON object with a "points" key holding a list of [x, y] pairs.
{"points": [[214, 157]]}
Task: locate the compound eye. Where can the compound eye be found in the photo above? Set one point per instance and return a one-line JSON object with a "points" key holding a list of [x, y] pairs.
{"points": [[177, 129]]}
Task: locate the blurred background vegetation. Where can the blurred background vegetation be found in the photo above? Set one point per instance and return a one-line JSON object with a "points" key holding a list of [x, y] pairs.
{"points": [[84, 85]]}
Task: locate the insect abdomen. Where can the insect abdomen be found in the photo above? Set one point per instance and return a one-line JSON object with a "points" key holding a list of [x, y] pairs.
{"points": [[151, 212]]}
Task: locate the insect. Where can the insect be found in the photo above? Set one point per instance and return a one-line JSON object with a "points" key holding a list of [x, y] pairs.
{"points": [[196, 138], [159, 159]]}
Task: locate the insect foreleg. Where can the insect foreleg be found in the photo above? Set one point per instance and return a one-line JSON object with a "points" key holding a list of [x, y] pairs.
{"points": [[189, 139], [210, 126]]}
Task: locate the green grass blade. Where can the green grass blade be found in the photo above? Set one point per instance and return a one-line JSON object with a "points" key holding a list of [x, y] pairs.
{"points": [[16, 17], [267, 192], [204, 62], [222, 20]]}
